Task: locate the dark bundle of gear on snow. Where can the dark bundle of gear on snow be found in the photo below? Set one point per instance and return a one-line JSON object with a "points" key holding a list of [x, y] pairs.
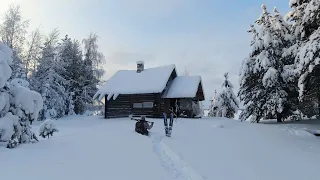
{"points": [[142, 126]]}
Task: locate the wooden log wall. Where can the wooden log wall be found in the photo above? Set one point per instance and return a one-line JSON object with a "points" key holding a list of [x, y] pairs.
{"points": [[118, 108], [141, 98], [123, 106]]}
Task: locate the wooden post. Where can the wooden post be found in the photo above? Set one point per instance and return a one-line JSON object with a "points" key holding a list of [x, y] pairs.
{"points": [[106, 107]]}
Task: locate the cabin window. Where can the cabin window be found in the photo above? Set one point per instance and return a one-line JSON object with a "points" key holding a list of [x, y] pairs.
{"points": [[137, 105], [147, 104], [143, 105]]}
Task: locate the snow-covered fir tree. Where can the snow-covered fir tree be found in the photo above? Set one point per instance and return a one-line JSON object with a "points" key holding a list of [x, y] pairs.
{"points": [[5, 74], [267, 85], [306, 17], [251, 81], [213, 105], [227, 102], [18, 105], [48, 82], [81, 71], [70, 57]]}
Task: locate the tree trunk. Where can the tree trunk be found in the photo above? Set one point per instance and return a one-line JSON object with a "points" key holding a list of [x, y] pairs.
{"points": [[318, 97], [258, 119], [279, 117]]}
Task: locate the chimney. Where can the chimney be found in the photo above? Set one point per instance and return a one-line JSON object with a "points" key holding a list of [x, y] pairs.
{"points": [[140, 66]]}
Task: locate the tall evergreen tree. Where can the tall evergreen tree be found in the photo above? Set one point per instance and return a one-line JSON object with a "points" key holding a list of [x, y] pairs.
{"points": [[72, 67], [213, 105], [306, 17], [48, 82], [275, 95], [228, 103], [18, 105], [251, 81]]}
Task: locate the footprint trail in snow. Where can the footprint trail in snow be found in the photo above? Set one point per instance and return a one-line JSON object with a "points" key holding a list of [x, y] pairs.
{"points": [[171, 162]]}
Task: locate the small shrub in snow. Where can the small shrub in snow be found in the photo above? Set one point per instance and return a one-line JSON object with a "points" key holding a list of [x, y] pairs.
{"points": [[47, 128]]}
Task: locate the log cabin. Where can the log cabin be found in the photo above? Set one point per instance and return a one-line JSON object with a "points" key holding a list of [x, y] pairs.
{"points": [[151, 92]]}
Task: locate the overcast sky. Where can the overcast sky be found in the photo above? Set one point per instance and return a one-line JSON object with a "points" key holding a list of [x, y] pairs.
{"points": [[206, 37]]}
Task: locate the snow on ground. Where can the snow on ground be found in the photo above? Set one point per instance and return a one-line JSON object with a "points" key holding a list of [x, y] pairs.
{"points": [[300, 128], [199, 149]]}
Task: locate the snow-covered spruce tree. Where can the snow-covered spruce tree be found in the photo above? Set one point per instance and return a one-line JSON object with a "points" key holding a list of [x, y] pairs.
{"points": [[213, 105], [81, 72], [306, 17], [10, 128], [227, 104], [251, 81], [265, 87], [279, 79], [5, 74], [18, 105], [48, 82], [13, 31], [70, 58], [26, 104]]}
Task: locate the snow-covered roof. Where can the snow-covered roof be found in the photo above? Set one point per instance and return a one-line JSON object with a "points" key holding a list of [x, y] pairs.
{"points": [[183, 87], [151, 80]]}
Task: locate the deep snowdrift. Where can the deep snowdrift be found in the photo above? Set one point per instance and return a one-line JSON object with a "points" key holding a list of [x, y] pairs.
{"points": [[94, 148]]}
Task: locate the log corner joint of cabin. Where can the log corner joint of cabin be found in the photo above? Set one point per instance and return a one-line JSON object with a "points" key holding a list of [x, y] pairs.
{"points": [[151, 92]]}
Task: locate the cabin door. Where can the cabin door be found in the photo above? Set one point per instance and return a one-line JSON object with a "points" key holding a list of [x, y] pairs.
{"points": [[174, 105]]}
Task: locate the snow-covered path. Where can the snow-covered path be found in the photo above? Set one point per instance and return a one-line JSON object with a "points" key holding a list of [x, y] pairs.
{"points": [[204, 149], [171, 161]]}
